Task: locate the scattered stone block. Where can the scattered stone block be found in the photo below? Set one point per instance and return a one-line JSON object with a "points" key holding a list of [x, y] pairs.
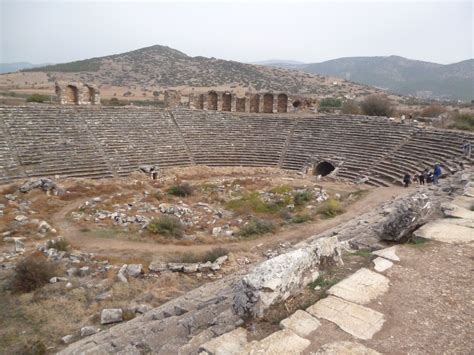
{"points": [[227, 344], [381, 264], [301, 323], [361, 287], [67, 339], [388, 253], [345, 347], [111, 315], [447, 230], [134, 270], [454, 211], [283, 342], [357, 320], [88, 330], [157, 266]]}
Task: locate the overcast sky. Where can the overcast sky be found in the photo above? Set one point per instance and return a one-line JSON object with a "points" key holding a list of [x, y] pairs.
{"points": [[61, 31]]}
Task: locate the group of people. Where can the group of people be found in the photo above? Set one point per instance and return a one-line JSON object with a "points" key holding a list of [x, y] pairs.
{"points": [[425, 177]]}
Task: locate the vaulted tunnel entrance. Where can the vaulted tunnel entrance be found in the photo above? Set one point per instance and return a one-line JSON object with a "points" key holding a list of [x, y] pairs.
{"points": [[212, 101], [324, 168], [240, 104], [72, 95], [268, 103], [226, 101]]}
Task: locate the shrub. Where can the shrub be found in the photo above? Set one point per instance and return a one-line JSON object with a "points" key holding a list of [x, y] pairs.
{"points": [[351, 107], [330, 102], [253, 202], [181, 190], [167, 226], [58, 244], [215, 253], [375, 105], [300, 198], [257, 227], [301, 218], [433, 110], [210, 255], [331, 208], [32, 272], [463, 121], [38, 98], [323, 282]]}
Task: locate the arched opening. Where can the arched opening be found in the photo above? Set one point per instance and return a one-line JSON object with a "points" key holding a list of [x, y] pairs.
{"points": [[324, 168], [297, 104], [200, 102], [72, 96], [268, 103], [254, 103], [212, 101], [226, 101], [240, 104], [89, 95], [282, 104]]}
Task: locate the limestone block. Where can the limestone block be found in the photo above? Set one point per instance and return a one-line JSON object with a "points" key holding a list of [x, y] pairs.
{"points": [[361, 287], [111, 315], [447, 230], [301, 323], [388, 253], [283, 342], [454, 211], [357, 320], [381, 264], [227, 344]]}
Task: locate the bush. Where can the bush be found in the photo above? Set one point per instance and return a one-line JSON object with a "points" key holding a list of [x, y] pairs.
{"points": [[253, 202], [167, 226], [463, 121], [38, 98], [257, 227], [433, 110], [331, 208], [300, 198], [215, 253], [330, 102], [375, 105], [58, 244], [32, 272], [210, 255], [301, 218], [181, 190], [351, 108]]}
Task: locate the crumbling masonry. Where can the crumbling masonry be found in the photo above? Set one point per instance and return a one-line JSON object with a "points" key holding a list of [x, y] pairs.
{"points": [[72, 93]]}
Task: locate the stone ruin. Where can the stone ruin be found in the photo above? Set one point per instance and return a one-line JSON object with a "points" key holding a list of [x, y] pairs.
{"points": [[172, 98], [74, 93], [268, 102]]}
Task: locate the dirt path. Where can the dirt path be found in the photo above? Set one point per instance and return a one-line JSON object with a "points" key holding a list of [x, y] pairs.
{"points": [[122, 247]]}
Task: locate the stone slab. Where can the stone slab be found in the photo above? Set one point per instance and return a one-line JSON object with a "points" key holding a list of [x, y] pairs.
{"points": [[388, 253], [301, 323], [454, 211], [345, 348], [357, 320], [448, 230], [464, 202], [227, 344], [381, 264], [361, 287], [283, 342]]}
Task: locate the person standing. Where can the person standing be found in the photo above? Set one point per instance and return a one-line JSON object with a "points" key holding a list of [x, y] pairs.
{"points": [[421, 177], [406, 180], [467, 148], [437, 173]]}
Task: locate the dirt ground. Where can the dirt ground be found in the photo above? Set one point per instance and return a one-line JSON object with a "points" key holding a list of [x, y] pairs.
{"points": [[429, 308]]}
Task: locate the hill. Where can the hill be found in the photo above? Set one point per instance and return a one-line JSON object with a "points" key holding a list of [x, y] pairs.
{"points": [[140, 72], [13, 67], [403, 76]]}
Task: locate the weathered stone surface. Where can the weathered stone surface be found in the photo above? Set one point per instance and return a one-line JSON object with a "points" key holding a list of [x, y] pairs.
{"points": [[278, 278], [388, 253], [357, 320], [134, 270], [454, 211], [111, 315], [447, 230], [67, 339], [157, 266], [88, 330], [227, 344], [301, 323], [381, 264], [361, 287], [283, 342], [345, 348]]}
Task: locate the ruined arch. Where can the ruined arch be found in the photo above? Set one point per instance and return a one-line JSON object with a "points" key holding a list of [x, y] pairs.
{"points": [[200, 102], [254, 103], [72, 95], [212, 100], [240, 104], [268, 103], [282, 103], [89, 95], [323, 168], [226, 101]]}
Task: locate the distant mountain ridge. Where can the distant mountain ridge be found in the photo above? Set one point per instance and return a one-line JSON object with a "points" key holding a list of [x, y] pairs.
{"points": [[403, 76], [13, 67]]}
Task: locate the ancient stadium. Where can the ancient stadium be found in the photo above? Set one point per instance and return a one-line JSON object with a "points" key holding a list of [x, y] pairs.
{"points": [[230, 225]]}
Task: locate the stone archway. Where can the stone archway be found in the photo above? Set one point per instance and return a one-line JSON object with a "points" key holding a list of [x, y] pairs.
{"points": [[254, 103], [282, 103], [268, 103], [200, 102], [212, 101], [72, 95], [226, 101], [240, 104], [89, 95], [323, 168]]}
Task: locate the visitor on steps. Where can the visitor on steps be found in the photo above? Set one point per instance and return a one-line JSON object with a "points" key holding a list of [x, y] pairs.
{"points": [[437, 173], [467, 148], [423, 176], [406, 180]]}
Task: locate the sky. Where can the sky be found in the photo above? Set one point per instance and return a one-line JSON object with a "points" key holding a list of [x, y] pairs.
{"points": [[246, 31]]}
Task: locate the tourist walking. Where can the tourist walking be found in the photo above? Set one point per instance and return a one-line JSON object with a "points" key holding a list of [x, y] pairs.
{"points": [[437, 173], [467, 148], [406, 180], [423, 175]]}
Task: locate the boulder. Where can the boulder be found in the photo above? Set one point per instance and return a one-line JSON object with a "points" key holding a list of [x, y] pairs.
{"points": [[19, 246], [67, 339], [88, 330], [111, 315], [134, 270], [121, 274], [157, 266]]}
